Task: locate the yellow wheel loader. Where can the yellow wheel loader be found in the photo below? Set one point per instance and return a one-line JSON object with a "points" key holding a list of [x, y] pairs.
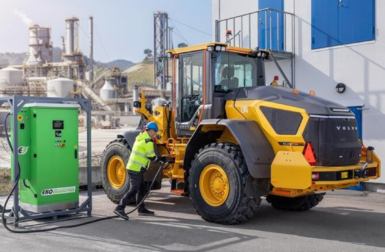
{"points": [[233, 140]]}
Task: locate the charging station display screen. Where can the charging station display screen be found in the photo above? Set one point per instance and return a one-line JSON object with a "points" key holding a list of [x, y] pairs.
{"points": [[58, 124]]}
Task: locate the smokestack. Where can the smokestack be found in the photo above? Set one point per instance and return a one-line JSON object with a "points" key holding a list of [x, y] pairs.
{"points": [[64, 43], [91, 58], [72, 36]]}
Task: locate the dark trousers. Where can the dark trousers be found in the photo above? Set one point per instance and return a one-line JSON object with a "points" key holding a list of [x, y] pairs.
{"points": [[137, 188]]}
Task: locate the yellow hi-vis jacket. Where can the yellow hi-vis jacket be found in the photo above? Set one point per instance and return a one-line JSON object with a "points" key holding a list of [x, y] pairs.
{"points": [[142, 150]]}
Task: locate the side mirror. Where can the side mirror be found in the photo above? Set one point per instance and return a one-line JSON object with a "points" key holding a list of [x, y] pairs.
{"points": [[137, 104]]}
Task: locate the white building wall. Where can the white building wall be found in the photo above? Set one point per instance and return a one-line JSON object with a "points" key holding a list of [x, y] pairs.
{"points": [[360, 66]]}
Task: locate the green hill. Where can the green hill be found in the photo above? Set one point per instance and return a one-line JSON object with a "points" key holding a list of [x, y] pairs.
{"points": [[141, 72]]}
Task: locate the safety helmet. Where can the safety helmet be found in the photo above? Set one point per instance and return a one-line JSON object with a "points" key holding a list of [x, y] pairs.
{"points": [[152, 125]]}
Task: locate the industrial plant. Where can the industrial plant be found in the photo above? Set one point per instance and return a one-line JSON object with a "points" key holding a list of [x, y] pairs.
{"points": [[73, 76]]}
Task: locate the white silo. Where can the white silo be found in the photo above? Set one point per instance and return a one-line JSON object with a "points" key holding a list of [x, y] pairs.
{"points": [[60, 87], [10, 76], [40, 45], [108, 92]]}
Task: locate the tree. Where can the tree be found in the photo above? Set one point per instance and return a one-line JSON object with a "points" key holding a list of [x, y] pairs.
{"points": [[180, 45], [148, 52]]}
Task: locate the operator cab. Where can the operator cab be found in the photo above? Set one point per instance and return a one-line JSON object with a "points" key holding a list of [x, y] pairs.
{"points": [[204, 74], [234, 70]]}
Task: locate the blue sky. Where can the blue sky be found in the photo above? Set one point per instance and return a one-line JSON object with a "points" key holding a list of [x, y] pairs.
{"points": [[125, 27]]}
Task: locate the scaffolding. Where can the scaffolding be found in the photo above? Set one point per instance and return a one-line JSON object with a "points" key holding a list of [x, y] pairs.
{"points": [[162, 43]]}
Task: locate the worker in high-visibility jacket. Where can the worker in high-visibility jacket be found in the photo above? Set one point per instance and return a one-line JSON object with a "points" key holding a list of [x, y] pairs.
{"points": [[141, 155]]}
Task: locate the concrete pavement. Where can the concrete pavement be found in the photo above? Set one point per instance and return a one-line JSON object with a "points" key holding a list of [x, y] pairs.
{"points": [[344, 221]]}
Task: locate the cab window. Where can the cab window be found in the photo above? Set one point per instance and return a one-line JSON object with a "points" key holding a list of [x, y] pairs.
{"points": [[234, 70], [192, 85]]}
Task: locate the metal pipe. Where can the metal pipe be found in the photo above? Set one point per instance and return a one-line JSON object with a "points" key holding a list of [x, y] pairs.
{"points": [[262, 10], [250, 30], [217, 30], [227, 27], [293, 51], [265, 24], [284, 32], [278, 32], [13, 103], [271, 31], [234, 29], [242, 30], [155, 49], [91, 59], [280, 70], [165, 60], [89, 171]]}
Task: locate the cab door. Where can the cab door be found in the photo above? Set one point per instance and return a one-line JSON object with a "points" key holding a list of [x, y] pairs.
{"points": [[189, 98]]}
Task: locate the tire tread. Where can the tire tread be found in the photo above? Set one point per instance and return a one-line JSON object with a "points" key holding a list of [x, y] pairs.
{"points": [[248, 206]]}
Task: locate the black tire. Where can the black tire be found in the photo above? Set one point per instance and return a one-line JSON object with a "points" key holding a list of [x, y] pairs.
{"points": [[120, 148], [238, 207], [302, 203]]}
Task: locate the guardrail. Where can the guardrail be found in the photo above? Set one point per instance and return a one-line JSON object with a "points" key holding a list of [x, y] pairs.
{"points": [[269, 29]]}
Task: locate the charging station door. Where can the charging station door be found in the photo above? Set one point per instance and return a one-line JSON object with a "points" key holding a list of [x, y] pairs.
{"points": [[54, 167]]}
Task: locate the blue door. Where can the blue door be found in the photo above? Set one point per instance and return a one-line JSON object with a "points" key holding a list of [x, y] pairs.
{"points": [[324, 20], [339, 22], [275, 39], [357, 110], [356, 21]]}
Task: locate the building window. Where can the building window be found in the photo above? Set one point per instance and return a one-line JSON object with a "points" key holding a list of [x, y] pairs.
{"points": [[340, 22]]}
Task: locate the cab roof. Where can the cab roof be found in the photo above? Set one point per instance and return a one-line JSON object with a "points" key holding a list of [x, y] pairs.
{"points": [[202, 47]]}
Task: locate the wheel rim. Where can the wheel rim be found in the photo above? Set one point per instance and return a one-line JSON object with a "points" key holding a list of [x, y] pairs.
{"points": [[214, 185], [116, 172]]}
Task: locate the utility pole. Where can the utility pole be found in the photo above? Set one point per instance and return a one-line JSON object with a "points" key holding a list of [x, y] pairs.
{"points": [[91, 57]]}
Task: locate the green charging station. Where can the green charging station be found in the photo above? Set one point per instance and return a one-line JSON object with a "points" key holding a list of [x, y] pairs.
{"points": [[48, 156]]}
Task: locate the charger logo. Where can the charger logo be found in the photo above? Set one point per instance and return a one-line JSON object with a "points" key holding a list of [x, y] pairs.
{"points": [[56, 191], [22, 150], [47, 192]]}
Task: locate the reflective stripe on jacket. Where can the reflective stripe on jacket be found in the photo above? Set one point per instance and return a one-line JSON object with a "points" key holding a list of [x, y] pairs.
{"points": [[142, 150]]}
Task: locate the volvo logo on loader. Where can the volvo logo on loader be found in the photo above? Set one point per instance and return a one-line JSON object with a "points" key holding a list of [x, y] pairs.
{"points": [[346, 128]]}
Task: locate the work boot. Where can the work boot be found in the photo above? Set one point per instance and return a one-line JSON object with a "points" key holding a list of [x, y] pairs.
{"points": [[145, 211], [121, 213]]}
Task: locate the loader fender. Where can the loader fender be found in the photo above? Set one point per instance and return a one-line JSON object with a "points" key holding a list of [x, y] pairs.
{"points": [[129, 136], [255, 147]]}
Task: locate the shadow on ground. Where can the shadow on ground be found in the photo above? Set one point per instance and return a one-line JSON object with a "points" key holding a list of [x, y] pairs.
{"points": [[181, 230]]}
